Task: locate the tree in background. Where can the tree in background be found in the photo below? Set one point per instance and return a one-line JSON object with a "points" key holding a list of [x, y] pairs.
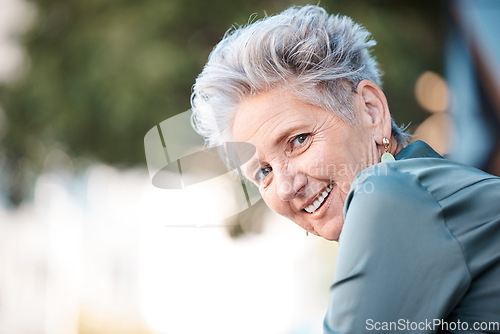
{"points": [[102, 73]]}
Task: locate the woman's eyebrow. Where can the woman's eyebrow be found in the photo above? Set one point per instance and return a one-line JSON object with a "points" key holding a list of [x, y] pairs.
{"points": [[253, 164], [285, 133]]}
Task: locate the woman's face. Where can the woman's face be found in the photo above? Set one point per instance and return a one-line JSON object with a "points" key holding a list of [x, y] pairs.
{"points": [[306, 157]]}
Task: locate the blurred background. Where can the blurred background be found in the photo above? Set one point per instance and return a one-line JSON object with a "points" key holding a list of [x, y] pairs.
{"points": [[89, 246]]}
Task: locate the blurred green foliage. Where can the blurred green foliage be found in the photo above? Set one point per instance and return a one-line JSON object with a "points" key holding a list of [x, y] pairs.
{"points": [[103, 72]]}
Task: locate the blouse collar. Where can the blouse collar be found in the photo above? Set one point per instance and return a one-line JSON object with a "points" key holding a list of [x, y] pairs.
{"points": [[418, 149]]}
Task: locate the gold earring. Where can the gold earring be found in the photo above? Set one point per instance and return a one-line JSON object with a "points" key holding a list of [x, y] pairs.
{"points": [[307, 234], [387, 156]]}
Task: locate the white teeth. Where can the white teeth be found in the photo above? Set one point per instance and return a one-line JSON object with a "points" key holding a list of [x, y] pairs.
{"points": [[311, 208]]}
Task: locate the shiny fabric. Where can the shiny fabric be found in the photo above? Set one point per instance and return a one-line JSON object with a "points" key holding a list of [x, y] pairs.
{"points": [[420, 244]]}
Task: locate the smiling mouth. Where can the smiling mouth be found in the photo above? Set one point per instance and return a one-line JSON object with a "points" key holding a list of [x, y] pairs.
{"points": [[320, 200]]}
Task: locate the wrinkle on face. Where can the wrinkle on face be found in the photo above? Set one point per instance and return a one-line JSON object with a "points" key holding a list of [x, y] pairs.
{"points": [[334, 153]]}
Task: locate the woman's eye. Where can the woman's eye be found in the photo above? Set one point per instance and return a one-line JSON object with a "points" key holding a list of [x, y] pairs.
{"points": [[262, 173], [299, 140]]}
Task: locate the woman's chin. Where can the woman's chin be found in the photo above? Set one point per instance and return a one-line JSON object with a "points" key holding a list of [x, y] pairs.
{"points": [[331, 231], [330, 236]]}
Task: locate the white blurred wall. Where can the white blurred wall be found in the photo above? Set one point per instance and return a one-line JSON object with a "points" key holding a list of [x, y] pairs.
{"points": [[101, 254]]}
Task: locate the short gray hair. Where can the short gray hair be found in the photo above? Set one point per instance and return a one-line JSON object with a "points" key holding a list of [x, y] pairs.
{"points": [[321, 57]]}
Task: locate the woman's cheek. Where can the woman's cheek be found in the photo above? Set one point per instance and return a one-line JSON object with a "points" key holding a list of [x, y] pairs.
{"points": [[269, 198]]}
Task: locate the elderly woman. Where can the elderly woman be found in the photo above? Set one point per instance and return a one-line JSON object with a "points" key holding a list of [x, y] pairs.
{"points": [[419, 235]]}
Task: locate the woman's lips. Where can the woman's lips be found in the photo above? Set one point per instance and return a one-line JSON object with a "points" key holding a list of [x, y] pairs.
{"points": [[320, 200]]}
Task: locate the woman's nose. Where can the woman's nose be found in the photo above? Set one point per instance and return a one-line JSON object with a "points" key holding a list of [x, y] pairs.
{"points": [[290, 185]]}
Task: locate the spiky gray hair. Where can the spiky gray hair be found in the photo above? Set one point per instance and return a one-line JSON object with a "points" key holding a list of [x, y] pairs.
{"points": [[322, 58]]}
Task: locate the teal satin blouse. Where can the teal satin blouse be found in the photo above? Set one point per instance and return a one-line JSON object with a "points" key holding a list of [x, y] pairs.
{"points": [[420, 249]]}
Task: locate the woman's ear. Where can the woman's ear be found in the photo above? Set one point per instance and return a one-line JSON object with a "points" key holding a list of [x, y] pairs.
{"points": [[373, 110]]}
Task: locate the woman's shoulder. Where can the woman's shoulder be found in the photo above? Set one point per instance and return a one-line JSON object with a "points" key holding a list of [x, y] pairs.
{"points": [[387, 204], [383, 184], [408, 188], [440, 177]]}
